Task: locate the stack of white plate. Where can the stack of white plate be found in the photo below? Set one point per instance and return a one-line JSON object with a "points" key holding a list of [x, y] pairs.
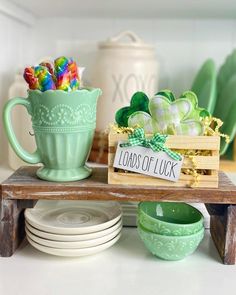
{"points": [[73, 228], [129, 210]]}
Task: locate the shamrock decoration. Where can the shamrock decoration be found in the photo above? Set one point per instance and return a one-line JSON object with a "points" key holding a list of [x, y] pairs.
{"points": [[171, 116], [167, 93], [197, 112], [139, 102]]}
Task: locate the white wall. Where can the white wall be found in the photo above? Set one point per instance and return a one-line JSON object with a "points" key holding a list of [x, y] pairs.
{"points": [[181, 45], [15, 51]]}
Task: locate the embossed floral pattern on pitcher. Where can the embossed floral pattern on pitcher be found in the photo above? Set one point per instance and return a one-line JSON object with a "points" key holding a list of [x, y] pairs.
{"points": [[63, 114]]}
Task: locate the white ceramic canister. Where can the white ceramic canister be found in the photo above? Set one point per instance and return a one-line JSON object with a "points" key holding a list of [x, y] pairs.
{"points": [[121, 69]]}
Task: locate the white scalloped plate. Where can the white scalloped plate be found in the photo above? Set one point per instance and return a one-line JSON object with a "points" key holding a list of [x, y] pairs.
{"points": [[73, 238], [74, 252], [73, 245], [73, 217]]}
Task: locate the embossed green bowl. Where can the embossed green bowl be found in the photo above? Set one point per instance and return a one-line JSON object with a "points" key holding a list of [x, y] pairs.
{"points": [[170, 219], [170, 247]]}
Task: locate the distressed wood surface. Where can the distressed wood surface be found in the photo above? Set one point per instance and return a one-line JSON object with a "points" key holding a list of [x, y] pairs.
{"points": [[223, 230], [12, 224], [24, 184]]}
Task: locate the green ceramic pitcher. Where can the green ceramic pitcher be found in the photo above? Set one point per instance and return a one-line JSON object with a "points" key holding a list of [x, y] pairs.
{"points": [[63, 124]]}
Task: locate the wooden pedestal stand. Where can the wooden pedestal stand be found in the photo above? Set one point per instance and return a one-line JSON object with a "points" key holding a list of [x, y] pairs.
{"points": [[23, 189]]}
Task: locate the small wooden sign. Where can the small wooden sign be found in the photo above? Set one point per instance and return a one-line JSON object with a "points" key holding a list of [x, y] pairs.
{"points": [[145, 161]]}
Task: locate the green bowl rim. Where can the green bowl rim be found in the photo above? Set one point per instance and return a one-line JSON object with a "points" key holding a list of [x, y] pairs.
{"points": [[140, 226], [164, 222]]}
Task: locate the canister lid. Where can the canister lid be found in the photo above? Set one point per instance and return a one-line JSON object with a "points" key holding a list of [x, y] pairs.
{"points": [[134, 43]]}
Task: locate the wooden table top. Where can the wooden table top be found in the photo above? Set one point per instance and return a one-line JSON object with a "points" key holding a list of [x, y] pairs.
{"points": [[24, 184]]}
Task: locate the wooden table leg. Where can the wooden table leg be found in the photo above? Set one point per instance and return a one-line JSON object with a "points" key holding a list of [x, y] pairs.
{"points": [[12, 224], [223, 230]]}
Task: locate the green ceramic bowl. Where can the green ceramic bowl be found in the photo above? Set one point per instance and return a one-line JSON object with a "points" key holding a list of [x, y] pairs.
{"points": [[170, 219], [170, 247]]}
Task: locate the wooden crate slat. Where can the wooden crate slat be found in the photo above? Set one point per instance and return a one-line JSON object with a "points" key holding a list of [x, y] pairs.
{"points": [[216, 154], [202, 162], [179, 142], [184, 180], [143, 176]]}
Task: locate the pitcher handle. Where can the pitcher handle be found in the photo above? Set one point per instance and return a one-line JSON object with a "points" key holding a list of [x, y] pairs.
{"points": [[33, 158]]}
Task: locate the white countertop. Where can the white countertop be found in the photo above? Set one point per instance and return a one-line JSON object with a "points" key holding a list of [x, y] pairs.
{"points": [[126, 268]]}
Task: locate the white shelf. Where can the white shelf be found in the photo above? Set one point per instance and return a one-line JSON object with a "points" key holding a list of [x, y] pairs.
{"points": [[131, 8], [125, 268]]}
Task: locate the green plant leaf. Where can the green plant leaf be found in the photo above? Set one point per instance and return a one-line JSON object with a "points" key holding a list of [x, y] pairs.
{"points": [[204, 85], [197, 112]]}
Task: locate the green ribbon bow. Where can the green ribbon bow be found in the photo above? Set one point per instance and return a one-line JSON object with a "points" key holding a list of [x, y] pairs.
{"points": [[156, 143]]}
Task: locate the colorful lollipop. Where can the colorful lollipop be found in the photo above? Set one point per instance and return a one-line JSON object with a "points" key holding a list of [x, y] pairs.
{"points": [[44, 78], [50, 68], [74, 77], [29, 76], [62, 73]]}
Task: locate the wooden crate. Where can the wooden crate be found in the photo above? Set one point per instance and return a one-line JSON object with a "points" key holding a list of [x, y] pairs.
{"points": [[209, 163]]}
